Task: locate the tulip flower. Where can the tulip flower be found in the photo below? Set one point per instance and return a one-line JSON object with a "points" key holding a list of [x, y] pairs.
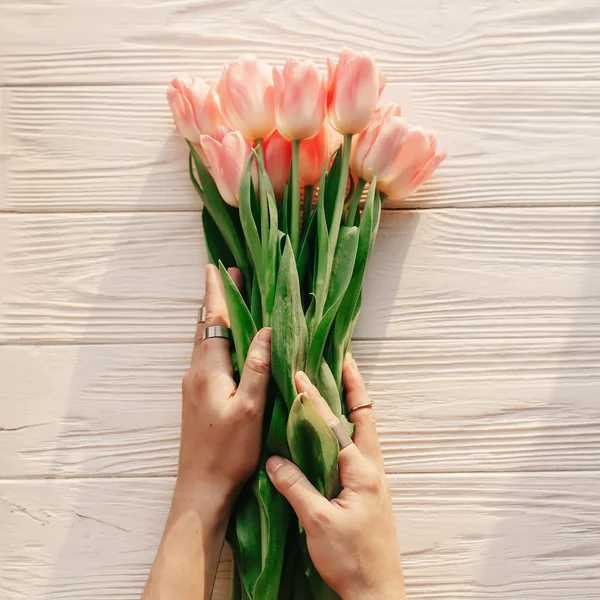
{"points": [[300, 96], [315, 153], [355, 85], [375, 150], [195, 108], [247, 97], [418, 158], [226, 161], [278, 157]]}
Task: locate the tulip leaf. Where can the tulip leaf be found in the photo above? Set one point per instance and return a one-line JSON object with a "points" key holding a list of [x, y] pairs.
{"points": [[247, 219], [274, 517], [331, 184], [245, 540], [322, 251], [288, 353], [307, 246], [276, 442], [243, 328], [343, 266], [216, 246], [225, 216], [314, 447]]}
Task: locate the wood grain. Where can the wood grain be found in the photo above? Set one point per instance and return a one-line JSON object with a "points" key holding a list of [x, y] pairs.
{"points": [[441, 274], [441, 406], [123, 41], [114, 148], [463, 537]]}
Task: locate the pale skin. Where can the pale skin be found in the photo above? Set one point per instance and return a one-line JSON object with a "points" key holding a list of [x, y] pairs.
{"points": [[221, 436]]}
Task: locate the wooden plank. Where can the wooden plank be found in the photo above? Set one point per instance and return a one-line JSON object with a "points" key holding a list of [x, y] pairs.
{"points": [[441, 405], [113, 148], [441, 274], [122, 41], [477, 537]]}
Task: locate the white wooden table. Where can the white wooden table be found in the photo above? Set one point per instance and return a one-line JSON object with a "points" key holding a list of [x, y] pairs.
{"points": [[480, 335]]}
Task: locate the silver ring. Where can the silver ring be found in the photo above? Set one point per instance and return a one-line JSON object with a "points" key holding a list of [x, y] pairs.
{"points": [[365, 405], [202, 314], [216, 331], [342, 436]]}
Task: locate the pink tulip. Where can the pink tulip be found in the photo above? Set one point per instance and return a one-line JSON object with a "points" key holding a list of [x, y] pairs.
{"points": [[195, 108], [300, 96], [247, 97], [376, 148], [417, 159], [226, 161], [315, 153], [355, 85], [278, 157]]}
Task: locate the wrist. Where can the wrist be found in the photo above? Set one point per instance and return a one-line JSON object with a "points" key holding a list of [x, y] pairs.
{"points": [[389, 590]]}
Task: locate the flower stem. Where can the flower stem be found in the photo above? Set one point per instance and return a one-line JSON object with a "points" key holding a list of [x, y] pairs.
{"points": [[309, 191], [294, 222], [355, 202]]}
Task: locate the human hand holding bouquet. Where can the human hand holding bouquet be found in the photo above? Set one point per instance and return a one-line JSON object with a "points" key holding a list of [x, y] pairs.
{"points": [[256, 140]]}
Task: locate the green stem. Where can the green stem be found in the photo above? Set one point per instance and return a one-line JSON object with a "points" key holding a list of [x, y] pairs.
{"points": [[294, 220], [309, 191], [355, 202], [264, 236]]}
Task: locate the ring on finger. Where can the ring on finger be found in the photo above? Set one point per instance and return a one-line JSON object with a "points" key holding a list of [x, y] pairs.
{"points": [[341, 434], [216, 331], [202, 314], [365, 405]]}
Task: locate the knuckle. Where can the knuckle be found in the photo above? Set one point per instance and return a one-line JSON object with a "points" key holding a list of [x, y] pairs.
{"points": [[194, 380], [258, 364], [373, 482], [198, 338], [320, 518], [247, 408], [290, 478]]}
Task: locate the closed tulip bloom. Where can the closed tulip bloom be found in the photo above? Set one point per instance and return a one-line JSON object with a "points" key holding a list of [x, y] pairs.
{"points": [[195, 108], [355, 85], [375, 150], [300, 96], [418, 158], [247, 97], [315, 153], [226, 161], [278, 157]]}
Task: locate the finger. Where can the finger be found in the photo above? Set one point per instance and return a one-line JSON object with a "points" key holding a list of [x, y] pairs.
{"points": [[351, 460], [365, 430], [213, 354], [237, 277], [291, 483], [252, 391]]}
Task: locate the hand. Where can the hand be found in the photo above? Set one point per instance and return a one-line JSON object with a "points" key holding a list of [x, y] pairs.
{"points": [[221, 434], [221, 422], [352, 540]]}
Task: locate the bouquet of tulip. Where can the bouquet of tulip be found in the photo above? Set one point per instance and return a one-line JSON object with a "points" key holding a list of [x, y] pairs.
{"points": [[281, 160]]}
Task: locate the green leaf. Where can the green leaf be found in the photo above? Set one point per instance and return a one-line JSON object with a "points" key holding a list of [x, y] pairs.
{"points": [[343, 267], [255, 303], [274, 517], [322, 252], [288, 353], [216, 246], [331, 184], [246, 539], [307, 246], [314, 447], [247, 219], [277, 436], [243, 328], [225, 216]]}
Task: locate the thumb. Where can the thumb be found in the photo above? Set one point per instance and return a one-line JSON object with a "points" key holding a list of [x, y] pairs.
{"points": [[291, 483], [257, 371]]}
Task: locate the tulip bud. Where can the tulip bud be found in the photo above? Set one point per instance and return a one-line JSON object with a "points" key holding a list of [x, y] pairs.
{"points": [[300, 96], [247, 97], [278, 158], [417, 159], [355, 85], [375, 149], [226, 161], [195, 108]]}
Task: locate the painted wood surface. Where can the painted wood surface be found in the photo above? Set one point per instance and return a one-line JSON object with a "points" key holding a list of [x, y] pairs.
{"points": [[480, 331]]}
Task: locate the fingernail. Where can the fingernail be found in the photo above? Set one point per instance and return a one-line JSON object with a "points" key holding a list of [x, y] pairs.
{"points": [[303, 377], [264, 337], [274, 464], [210, 270]]}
